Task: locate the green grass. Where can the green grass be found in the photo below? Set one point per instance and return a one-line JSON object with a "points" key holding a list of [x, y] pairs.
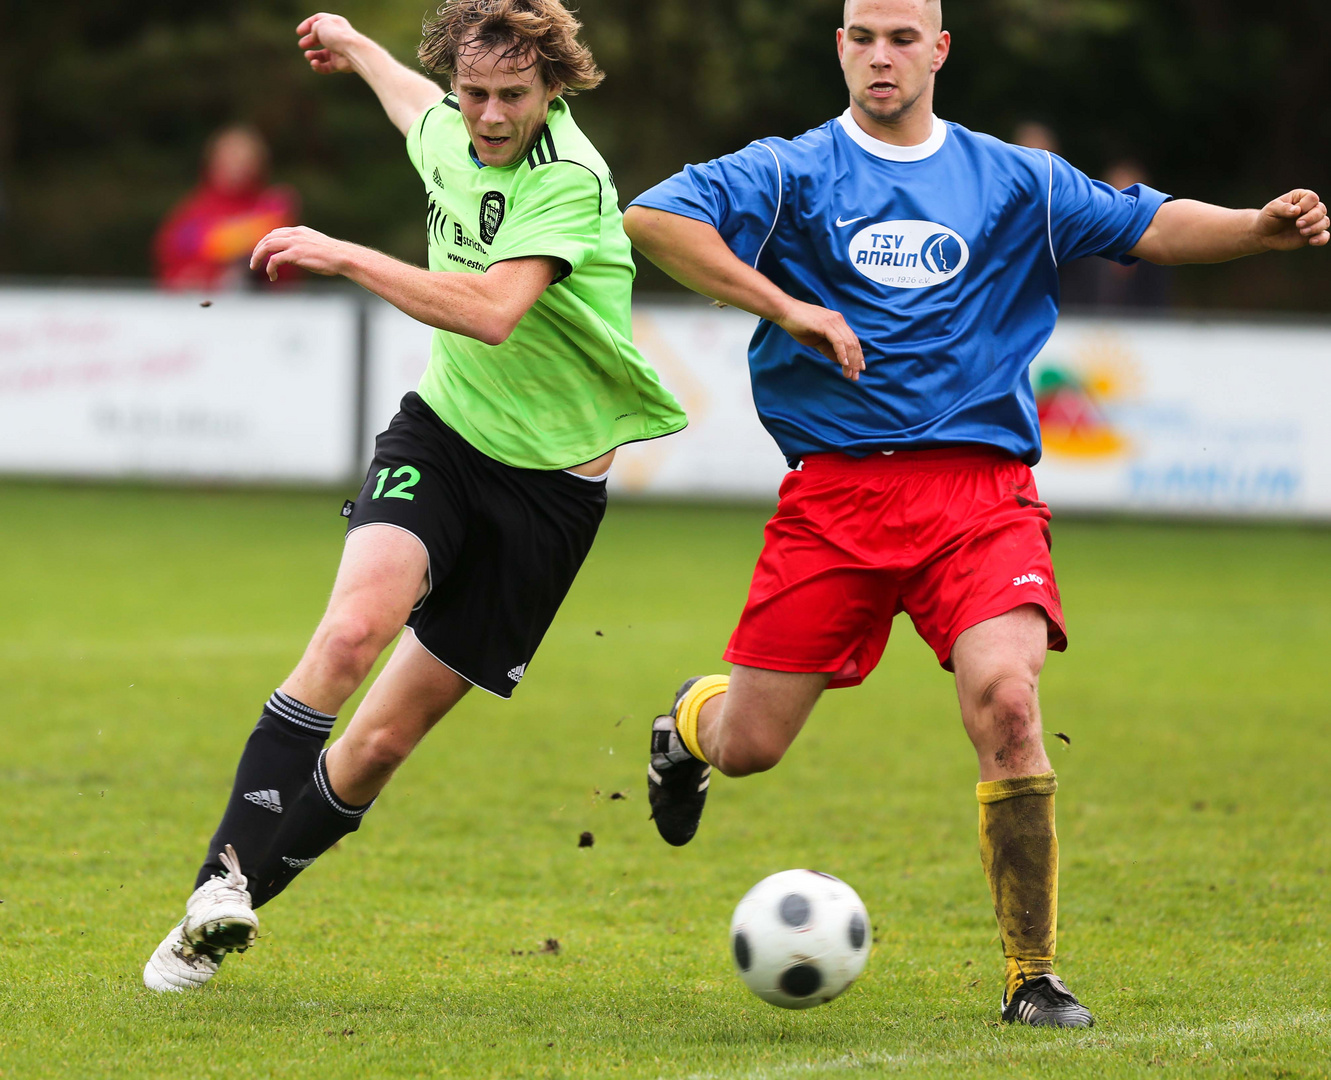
{"points": [[141, 630]]}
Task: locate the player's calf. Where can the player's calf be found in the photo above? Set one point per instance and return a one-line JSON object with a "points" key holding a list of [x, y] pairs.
{"points": [[276, 763], [746, 755], [317, 820], [1019, 850], [376, 753]]}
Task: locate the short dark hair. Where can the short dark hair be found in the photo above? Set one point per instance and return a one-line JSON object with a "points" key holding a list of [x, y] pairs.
{"points": [[544, 29]]}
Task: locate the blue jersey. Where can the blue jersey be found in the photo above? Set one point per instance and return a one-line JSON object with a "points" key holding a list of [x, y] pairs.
{"points": [[942, 257]]}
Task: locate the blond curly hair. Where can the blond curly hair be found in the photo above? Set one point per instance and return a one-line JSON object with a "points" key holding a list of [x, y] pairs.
{"points": [[544, 30]]}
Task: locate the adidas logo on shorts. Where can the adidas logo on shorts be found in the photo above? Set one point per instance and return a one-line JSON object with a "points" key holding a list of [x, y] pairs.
{"points": [[299, 864], [269, 800], [517, 673]]}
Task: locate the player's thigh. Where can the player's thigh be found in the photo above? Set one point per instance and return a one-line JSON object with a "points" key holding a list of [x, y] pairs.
{"points": [[998, 661], [407, 522], [764, 711], [383, 573]]}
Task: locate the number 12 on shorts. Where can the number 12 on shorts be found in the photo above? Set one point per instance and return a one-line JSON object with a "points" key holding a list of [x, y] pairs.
{"points": [[408, 478]]}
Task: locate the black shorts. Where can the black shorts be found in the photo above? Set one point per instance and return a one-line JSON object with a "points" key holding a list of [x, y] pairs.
{"points": [[504, 544]]}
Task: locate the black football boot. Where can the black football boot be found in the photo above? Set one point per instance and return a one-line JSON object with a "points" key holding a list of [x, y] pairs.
{"points": [[676, 780], [1044, 1001]]}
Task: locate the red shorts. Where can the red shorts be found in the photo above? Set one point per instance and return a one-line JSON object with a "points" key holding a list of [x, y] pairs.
{"points": [[951, 537]]}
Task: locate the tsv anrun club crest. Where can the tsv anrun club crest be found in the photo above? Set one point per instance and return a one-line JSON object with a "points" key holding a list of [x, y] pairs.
{"points": [[909, 254]]}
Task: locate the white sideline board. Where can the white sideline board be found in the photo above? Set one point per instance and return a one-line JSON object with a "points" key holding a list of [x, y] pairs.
{"points": [[119, 383], [1186, 417], [398, 350], [1160, 416]]}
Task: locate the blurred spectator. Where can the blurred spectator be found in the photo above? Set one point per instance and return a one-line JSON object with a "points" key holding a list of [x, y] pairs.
{"points": [[206, 240], [1035, 135], [1103, 283]]}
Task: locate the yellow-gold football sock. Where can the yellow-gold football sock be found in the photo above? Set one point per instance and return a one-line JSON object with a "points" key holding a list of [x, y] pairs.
{"points": [[690, 707], [1019, 849]]}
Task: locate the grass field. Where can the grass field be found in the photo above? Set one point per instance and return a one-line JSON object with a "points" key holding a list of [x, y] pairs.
{"points": [[140, 631]]}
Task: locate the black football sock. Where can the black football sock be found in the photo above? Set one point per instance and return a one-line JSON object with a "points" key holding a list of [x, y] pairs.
{"points": [[275, 765], [316, 820]]}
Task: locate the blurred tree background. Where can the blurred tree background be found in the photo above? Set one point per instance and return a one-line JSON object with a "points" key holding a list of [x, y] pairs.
{"points": [[104, 108]]}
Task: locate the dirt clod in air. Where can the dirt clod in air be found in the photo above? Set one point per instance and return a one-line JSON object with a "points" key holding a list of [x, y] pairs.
{"points": [[586, 840], [550, 948], [616, 795], [1064, 739]]}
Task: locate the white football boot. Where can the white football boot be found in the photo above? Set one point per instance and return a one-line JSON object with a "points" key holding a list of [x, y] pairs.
{"points": [[219, 918], [178, 965]]}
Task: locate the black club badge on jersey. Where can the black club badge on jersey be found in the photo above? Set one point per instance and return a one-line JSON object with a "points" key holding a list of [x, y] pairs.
{"points": [[492, 215]]}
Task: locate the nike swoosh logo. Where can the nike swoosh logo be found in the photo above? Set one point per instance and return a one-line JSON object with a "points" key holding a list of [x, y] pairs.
{"points": [[842, 224]]}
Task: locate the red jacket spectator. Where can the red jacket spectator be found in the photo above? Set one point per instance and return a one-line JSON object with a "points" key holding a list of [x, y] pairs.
{"points": [[206, 240]]}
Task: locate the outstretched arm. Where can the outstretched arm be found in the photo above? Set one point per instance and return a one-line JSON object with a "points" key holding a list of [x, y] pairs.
{"points": [[1196, 232], [331, 44], [694, 254], [485, 306]]}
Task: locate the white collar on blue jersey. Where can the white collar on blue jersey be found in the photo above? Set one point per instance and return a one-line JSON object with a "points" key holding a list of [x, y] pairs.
{"points": [[889, 151]]}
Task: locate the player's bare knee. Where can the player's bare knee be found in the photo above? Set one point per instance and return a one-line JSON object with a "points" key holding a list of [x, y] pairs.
{"points": [[381, 751], [1005, 715], [1009, 700], [351, 642]]}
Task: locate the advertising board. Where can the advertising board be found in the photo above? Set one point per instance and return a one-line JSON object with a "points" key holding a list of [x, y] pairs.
{"points": [[123, 383], [1151, 415]]}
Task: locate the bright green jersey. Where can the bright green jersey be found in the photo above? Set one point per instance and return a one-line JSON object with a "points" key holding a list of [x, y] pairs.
{"points": [[568, 384]]}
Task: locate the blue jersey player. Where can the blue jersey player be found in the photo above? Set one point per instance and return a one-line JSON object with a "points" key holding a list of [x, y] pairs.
{"points": [[921, 259]]}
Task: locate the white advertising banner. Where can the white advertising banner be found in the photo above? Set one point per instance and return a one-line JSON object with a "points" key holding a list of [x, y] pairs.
{"points": [[1160, 416], [1182, 417], [135, 384], [1149, 415], [399, 350]]}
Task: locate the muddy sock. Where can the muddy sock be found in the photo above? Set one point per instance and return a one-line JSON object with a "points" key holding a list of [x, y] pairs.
{"points": [[1019, 850]]}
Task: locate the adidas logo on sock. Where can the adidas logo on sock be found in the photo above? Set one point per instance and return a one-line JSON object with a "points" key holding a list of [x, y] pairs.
{"points": [[517, 673], [269, 800], [299, 864]]}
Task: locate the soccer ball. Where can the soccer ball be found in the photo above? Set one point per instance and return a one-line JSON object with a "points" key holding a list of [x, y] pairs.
{"points": [[799, 938]]}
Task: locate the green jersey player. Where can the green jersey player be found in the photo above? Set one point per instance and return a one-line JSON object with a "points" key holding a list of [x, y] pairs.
{"points": [[486, 490]]}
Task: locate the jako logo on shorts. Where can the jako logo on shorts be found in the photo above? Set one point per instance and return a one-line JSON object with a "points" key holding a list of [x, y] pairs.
{"points": [[909, 254]]}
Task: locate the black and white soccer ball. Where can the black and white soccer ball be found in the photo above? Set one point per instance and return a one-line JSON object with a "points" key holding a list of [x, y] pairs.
{"points": [[799, 938]]}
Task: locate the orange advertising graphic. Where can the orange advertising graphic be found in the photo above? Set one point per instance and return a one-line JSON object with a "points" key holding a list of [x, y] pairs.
{"points": [[1075, 401]]}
